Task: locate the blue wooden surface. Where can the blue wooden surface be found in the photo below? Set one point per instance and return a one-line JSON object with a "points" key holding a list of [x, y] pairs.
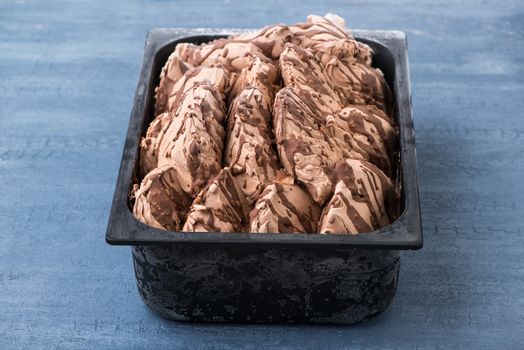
{"points": [[67, 77]]}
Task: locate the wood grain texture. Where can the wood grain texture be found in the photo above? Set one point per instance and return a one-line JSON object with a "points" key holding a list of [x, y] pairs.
{"points": [[67, 77]]}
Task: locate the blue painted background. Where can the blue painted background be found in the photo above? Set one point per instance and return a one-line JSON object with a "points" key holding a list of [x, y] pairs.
{"points": [[67, 77]]}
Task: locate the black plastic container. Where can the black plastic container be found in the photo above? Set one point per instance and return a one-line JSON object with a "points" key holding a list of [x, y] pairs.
{"points": [[241, 277]]}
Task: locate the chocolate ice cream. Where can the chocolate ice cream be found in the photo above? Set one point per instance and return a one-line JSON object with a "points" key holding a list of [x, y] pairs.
{"points": [[270, 40], [309, 130], [161, 201], [363, 132], [358, 83], [358, 204], [173, 70], [302, 72], [249, 152], [194, 141], [233, 55], [220, 207], [260, 74], [151, 142], [216, 76], [304, 149], [286, 208]]}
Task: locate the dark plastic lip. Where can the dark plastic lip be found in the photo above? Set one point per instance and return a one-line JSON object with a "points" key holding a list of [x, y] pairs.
{"points": [[405, 233]]}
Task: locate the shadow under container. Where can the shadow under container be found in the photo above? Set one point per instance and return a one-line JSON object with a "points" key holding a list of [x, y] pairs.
{"points": [[260, 277]]}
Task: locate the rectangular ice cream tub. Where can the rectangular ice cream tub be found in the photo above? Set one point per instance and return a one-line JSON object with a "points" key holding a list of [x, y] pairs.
{"points": [[260, 277]]}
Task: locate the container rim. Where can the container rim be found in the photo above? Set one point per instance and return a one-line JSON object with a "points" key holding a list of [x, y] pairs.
{"points": [[405, 233]]}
